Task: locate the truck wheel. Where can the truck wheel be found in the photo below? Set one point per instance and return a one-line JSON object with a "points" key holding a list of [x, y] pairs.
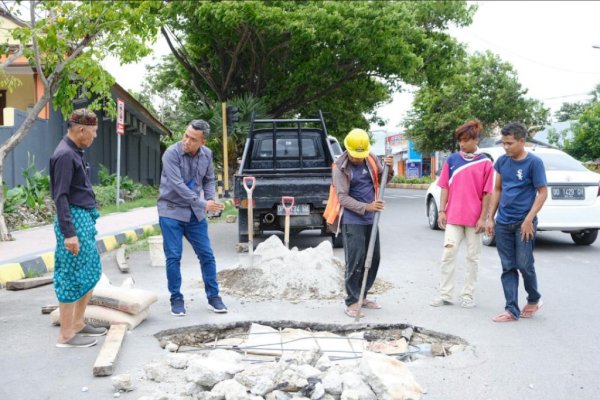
{"points": [[242, 226], [585, 238], [337, 241]]}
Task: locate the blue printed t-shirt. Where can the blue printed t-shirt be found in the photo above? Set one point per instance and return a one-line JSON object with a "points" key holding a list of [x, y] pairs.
{"points": [[520, 180], [363, 190]]}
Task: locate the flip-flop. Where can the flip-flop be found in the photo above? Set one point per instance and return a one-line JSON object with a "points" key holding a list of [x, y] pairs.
{"points": [[504, 316], [351, 312], [531, 309], [371, 305]]}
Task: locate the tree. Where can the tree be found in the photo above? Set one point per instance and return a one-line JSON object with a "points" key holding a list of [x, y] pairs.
{"points": [[485, 88], [345, 58], [569, 111], [63, 41], [585, 144]]}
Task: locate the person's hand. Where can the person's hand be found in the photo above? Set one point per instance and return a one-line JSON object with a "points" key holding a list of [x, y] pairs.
{"points": [[527, 230], [480, 226], [375, 206], [490, 227], [214, 206], [442, 219], [72, 245], [389, 161]]}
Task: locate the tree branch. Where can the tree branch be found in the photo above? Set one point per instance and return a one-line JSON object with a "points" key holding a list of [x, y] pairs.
{"points": [[13, 57], [182, 57], [36, 48]]}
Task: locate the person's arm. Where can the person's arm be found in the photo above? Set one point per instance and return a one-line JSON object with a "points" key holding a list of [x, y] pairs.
{"points": [[527, 229], [61, 181], [442, 211], [493, 206], [208, 186], [485, 203]]}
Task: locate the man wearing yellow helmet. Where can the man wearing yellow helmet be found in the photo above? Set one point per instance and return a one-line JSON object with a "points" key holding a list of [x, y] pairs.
{"points": [[356, 176]]}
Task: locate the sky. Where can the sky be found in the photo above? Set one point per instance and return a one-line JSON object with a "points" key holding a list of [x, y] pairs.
{"points": [[549, 43]]}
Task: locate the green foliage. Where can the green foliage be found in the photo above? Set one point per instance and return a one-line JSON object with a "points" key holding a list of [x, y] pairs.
{"points": [[70, 39], [32, 193], [569, 111], [13, 198], [485, 88], [345, 58], [585, 144], [403, 179], [37, 185]]}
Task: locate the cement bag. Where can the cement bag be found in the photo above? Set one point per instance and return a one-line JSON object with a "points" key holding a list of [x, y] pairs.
{"points": [[124, 299], [102, 316]]}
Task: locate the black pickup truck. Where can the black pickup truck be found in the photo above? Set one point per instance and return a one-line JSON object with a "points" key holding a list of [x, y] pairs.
{"points": [[287, 157]]}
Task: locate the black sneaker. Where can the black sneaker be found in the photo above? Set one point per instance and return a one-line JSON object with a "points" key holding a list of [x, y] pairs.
{"points": [[177, 308], [216, 304]]}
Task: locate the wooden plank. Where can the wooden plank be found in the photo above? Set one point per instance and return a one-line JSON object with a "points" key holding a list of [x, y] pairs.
{"points": [[122, 260], [107, 357], [28, 283], [49, 308]]}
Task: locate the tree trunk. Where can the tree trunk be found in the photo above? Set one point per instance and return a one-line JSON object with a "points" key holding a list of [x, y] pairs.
{"points": [[8, 146]]}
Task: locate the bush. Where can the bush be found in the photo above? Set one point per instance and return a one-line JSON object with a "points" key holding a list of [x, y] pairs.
{"points": [[403, 179]]}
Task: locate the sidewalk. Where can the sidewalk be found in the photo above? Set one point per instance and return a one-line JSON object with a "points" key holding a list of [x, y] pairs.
{"points": [[33, 249]]}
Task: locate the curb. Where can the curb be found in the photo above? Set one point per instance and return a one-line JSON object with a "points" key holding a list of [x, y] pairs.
{"points": [[43, 263]]}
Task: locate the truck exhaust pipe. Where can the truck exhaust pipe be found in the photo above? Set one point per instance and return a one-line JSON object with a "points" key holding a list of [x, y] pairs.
{"points": [[269, 218]]}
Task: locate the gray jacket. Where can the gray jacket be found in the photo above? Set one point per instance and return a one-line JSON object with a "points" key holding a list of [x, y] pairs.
{"points": [[176, 199]]}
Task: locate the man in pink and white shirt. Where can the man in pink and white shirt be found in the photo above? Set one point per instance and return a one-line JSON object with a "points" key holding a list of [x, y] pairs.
{"points": [[467, 183]]}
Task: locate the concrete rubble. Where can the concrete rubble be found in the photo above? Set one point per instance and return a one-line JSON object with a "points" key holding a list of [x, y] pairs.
{"points": [[225, 375], [289, 274]]}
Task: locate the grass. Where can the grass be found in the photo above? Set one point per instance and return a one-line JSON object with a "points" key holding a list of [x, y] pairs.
{"points": [[141, 243], [34, 274], [141, 202], [403, 179]]}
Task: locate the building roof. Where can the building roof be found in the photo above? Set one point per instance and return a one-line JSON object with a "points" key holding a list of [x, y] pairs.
{"points": [[132, 103]]}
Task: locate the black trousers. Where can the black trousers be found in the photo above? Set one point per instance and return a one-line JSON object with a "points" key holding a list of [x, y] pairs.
{"points": [[356, 243]]}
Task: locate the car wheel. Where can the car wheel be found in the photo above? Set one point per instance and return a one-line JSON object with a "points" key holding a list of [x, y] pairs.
{"points": [[584, 238], [432, 215], [337, 241], [488, 240]]}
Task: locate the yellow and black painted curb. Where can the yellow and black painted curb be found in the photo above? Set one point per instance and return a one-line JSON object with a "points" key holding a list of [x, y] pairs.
{"points": [[44, 263]]}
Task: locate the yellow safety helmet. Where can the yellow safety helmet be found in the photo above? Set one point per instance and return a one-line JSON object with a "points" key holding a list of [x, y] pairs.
{"points": [[357, 143]]}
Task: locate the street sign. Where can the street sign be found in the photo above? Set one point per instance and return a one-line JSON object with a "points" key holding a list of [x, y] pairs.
{"points": [[120, 117]]}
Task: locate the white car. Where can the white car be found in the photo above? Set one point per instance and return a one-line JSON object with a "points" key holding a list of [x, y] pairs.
{"points": [[573, 203]]}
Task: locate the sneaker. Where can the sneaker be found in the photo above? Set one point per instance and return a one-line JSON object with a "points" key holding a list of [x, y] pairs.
{"points": [[438, 302], [78, 341], [177, 308], [89, 330], [467, 303], [216, 304]]}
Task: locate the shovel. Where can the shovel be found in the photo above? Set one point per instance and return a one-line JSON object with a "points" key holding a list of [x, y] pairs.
{"points": [[249, 183], [371, 248], [288, 210]]}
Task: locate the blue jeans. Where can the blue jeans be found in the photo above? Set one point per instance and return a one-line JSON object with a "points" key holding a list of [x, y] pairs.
{"points": [[516, 256], [196, 232]]}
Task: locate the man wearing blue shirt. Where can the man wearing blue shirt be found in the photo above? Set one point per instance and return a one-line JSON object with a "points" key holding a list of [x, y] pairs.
{"points": [[519, 193], [187, 192]]}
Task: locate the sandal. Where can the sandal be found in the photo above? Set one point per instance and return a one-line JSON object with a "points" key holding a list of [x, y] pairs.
{"points": [[531, 309], [504, 316], [371, 304], [353, 312]]}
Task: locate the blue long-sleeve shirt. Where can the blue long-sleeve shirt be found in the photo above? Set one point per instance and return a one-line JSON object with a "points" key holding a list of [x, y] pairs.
{"points": [[186, 183]]}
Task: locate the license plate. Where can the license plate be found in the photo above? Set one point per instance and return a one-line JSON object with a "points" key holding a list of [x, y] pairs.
{"points": [[568, 193], [298, 209]]}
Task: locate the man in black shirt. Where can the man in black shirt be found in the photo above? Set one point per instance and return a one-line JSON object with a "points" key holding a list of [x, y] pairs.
{"points": [[77, 266]]}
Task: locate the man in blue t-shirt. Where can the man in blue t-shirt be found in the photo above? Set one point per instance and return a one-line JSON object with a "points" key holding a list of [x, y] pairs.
{"points": [[519, 194]]}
